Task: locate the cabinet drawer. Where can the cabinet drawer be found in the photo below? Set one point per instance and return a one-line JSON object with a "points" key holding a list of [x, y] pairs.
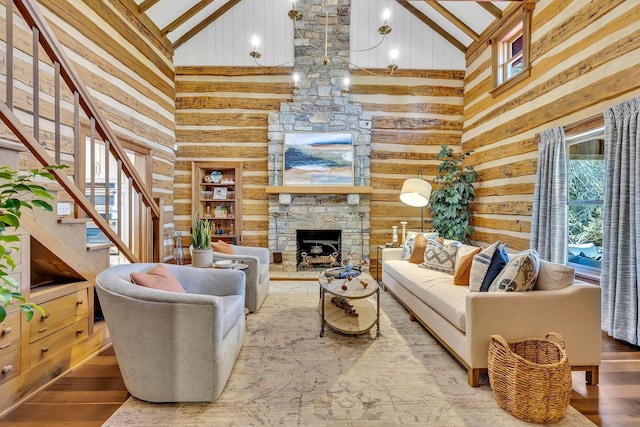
{"points": [[64, 338], [59, 313], [10, 365], [10, 333], [82, 304]]}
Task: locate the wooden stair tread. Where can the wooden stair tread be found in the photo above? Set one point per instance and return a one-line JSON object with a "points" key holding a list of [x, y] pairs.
{"points": [[98, 247], [73, 220]]}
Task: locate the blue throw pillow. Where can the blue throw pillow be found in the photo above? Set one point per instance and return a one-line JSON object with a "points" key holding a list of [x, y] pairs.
{"points": [[499, 259]]}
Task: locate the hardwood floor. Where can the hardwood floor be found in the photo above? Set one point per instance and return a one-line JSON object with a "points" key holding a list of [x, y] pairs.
{"points": [[88, 395]]}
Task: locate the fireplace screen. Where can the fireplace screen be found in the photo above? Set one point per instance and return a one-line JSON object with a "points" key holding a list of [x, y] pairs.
{"points": [[318, 249]]}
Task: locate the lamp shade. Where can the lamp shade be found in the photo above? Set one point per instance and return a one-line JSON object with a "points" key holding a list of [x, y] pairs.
{"points": [[415, 192]]}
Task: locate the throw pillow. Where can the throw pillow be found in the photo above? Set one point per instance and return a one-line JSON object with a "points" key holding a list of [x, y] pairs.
{"points": [[419, 246], [463, 268], [440, 258], [519, 274], [222, 247], [409, 241], [499, 260], [552, 276], [480, 265], [159, 277]]}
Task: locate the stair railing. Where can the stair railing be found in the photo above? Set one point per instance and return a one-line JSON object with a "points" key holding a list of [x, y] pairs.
{"points": [[141, 238]]}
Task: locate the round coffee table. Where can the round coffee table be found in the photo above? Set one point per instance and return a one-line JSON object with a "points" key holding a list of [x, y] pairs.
{"points": [[355, 295]]}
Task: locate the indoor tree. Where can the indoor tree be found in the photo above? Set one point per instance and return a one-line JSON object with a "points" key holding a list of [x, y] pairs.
{"points": [[449, 201], [17, 192]]}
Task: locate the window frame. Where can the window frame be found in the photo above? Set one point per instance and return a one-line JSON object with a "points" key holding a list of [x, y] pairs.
{"points": [[509, 30], [577, 134]]}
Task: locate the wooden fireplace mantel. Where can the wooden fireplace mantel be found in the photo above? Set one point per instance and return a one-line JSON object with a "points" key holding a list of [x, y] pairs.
{"points": [[318, 189]]}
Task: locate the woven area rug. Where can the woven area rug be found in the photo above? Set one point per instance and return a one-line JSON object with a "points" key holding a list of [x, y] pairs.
{"points": [[287, 375]]}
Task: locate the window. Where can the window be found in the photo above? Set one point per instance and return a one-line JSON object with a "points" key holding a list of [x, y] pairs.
{"points": [[586, 198], [510, 54]]}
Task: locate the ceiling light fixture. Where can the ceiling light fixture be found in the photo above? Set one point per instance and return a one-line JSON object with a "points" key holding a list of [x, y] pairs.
{"points": [[323, 55]]}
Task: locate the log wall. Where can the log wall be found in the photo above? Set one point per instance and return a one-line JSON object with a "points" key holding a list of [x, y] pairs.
{"points": [[128, 69], [221, 114], [584, 58]]}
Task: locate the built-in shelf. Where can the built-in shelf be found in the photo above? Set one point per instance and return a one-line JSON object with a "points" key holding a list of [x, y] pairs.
{"points": [[318, 189]]}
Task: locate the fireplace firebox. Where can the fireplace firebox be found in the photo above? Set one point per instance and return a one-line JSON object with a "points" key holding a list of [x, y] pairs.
{"points": [[318, 249]]}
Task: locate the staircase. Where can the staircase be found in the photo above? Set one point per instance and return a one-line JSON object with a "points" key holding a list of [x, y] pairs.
{"points": [[58, 267]]}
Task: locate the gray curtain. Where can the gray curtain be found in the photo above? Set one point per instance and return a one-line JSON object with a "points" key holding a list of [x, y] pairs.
{"points": [[621, 238], [549, 217]]}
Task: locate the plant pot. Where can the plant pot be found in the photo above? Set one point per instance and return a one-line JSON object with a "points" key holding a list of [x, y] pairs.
{"points": [[202, 258]]}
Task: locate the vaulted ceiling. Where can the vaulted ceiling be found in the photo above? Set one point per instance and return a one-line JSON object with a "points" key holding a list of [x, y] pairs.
{"points": [[460, 22]]}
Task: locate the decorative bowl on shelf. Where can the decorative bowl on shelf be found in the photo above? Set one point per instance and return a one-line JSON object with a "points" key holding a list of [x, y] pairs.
{"points": [[225, 263], [216, 177]]}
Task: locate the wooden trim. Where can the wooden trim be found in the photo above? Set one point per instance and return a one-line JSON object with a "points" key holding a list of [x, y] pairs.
{"points": [[317, 189], [455, 20], [584, 125], [185, 16], [206, 70], [146, 5], [205, 23], [435, 27], [491, 8]]}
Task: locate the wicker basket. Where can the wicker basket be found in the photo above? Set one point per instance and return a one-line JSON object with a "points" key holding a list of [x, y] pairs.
{"points": [[531, 378]]}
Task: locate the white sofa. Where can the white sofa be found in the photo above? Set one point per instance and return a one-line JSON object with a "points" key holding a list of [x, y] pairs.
{"points": [[463, 321]]}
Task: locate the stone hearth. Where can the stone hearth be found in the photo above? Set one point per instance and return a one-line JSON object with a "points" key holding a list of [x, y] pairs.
{"points": [[320, 106]]}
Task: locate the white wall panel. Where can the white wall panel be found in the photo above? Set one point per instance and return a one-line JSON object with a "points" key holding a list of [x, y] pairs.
{"points": [[227, 41]]}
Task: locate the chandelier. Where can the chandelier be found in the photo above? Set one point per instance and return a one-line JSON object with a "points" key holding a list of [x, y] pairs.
{"points": [[323, 55]]}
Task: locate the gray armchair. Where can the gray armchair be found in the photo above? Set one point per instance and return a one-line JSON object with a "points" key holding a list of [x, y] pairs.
{"points": [[174, 347], [257, 274]]}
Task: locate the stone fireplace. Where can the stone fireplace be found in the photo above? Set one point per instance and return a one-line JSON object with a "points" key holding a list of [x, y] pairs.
{"points": [[319, 105]]}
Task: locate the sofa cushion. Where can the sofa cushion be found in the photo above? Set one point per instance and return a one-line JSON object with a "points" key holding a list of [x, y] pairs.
{"points": [[264, 272], [554, 276], [440, 257], [434, 288], [480, 266], [519, 274], [409, 241], [233, 308], [419, 246], [463, 267], [159, 277], [499, 260]]}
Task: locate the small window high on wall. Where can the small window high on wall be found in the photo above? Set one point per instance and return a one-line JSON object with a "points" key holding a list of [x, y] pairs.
{"points": [[585, 154], [511, 50]]}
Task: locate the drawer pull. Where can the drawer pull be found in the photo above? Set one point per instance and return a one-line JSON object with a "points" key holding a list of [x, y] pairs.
{"points": [[79, 331], [45, 316], [42, 330], [2, 347], [7, 369], [8, 251], [44, 349], [80, 302], [7, 330]]}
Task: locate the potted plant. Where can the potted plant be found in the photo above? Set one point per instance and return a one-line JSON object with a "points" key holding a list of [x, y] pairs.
{"points": [[201, 251], [449, 202], [17, 192]]}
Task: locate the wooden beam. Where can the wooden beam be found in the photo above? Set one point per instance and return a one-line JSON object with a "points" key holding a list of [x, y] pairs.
{"points": [[435, 27], [146, 5], [185, 16], [454, 20], [204, 23], [491, 8]]}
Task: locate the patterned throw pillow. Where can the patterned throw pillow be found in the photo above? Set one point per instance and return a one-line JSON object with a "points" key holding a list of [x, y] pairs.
{"points": [[499, 260], [440, 258], [409, 241], [480, 265], [519, 274]]}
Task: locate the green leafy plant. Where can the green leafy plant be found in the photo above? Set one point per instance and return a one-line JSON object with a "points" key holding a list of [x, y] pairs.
{"points": [[200, 233], [17, 192], [449, 202]]}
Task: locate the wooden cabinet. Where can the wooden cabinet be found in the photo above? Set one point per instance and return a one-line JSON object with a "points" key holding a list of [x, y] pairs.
{"points": [[217, 196]]}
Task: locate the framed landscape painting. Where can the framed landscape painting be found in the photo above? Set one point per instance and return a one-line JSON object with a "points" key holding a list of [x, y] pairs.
{"points": [[318, 158]]}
